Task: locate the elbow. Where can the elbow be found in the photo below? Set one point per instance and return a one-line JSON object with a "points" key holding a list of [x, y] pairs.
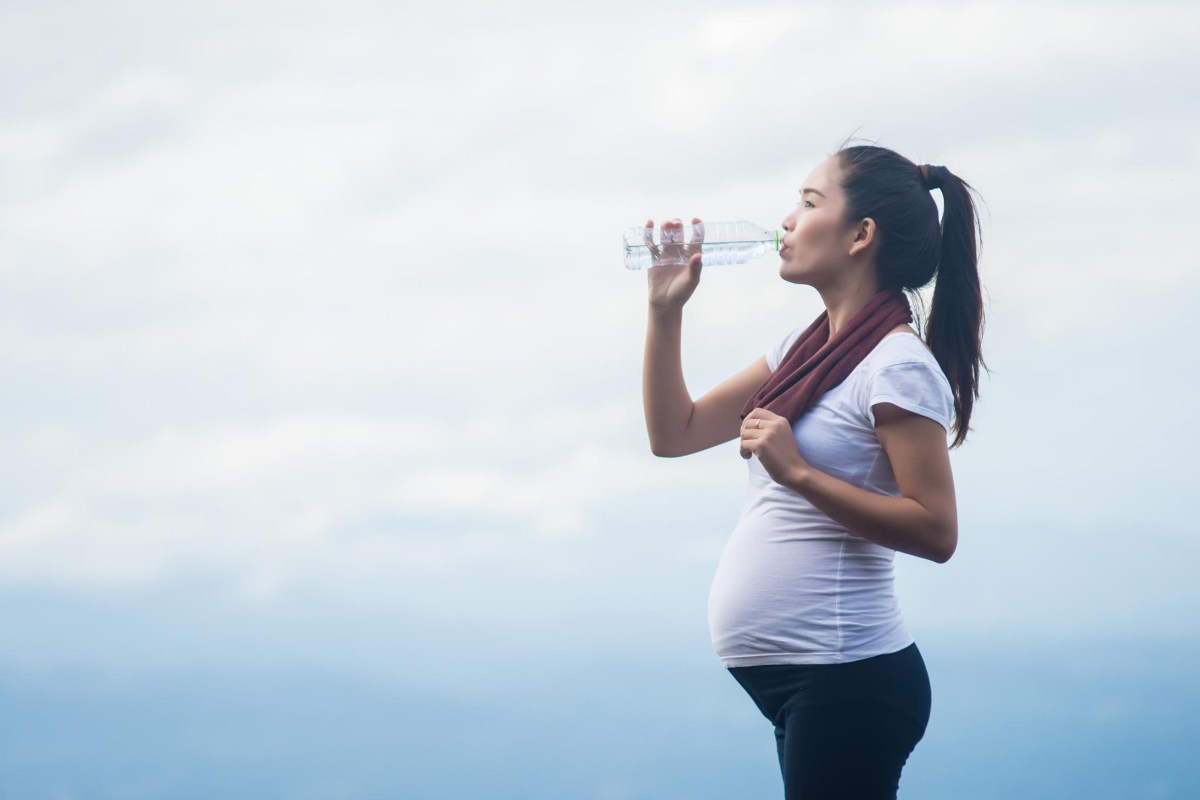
{"points": [[663, 452], [661, 449], [944, 549], [942, 556], [668, 446]]}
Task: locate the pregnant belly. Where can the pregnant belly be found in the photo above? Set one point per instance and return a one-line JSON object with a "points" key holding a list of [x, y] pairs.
{"points": [[778, 590]]}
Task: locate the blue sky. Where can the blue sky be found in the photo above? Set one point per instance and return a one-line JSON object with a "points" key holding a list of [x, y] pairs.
{"points": [[319, 353]]}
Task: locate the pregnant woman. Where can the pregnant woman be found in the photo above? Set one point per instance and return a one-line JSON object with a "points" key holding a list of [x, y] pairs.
{"points": [[844, 425]]}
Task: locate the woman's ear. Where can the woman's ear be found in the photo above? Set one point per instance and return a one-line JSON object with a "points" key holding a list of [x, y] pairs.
{"points": [[865, 233]]}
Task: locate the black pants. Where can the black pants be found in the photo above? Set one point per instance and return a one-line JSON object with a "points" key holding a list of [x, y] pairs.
{"points": [[844, 731]]}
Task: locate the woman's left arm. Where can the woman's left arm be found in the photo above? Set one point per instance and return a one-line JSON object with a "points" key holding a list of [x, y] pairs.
{"points": [[922, 521]]}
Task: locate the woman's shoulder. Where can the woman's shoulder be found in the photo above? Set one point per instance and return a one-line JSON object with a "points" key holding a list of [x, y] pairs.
{"points": [[901, 344], [904, 350], [902, 370]]}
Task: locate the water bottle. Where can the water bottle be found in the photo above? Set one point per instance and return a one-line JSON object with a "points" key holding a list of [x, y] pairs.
{"points": [[723, 243]]}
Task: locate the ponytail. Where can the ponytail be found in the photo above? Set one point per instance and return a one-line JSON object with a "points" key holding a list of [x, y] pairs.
{"points": [[954, 327]]}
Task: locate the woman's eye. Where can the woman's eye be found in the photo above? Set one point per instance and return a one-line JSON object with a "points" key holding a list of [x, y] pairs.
{"points": [[805, 202]]}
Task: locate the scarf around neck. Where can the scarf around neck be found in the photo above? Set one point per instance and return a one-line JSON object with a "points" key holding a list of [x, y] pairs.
{"points": [[814, 364]]}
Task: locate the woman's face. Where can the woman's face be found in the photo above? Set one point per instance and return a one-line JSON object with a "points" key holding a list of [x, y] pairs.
{"points": [[817, 242]]}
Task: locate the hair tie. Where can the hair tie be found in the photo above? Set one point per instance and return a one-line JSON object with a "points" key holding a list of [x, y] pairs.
{"points": [[933, 177]]}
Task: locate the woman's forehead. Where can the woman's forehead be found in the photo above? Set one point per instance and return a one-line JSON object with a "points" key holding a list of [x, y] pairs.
{"points": [[823, 178]]}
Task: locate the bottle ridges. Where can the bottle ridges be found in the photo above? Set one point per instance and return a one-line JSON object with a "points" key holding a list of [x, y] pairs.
{"points": [[723, 243]]}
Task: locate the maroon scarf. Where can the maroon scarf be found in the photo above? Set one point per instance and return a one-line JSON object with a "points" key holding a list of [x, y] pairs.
{"points": [[814, 364]]}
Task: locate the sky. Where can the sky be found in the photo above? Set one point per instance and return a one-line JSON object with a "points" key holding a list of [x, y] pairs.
{"points": [[318, 350]]}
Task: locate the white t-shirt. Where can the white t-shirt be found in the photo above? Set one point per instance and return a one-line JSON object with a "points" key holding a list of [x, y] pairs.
{"points": [[793, 586]]}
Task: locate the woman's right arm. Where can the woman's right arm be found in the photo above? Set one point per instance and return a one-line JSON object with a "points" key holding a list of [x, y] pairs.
{"points": [[676, 425]]}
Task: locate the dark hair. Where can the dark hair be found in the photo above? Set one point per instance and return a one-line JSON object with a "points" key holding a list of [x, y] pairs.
{"points": [[914, 248]]}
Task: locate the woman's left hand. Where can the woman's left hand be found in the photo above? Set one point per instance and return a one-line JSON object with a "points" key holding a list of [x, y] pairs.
{"points": [[769, 436]]}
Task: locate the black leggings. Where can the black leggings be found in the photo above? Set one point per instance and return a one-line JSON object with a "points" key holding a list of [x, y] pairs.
{"points": [[844, 731]]}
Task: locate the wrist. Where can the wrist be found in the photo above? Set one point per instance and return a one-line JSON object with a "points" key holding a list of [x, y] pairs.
{"points": [[666, 314], [799, 478]]}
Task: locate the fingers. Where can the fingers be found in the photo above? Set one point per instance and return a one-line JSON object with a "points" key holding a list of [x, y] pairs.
{"points": [[696, 259], [668, 250], [754, 428], [648, 238], [747, 435], [750, 442], [672, 231]]}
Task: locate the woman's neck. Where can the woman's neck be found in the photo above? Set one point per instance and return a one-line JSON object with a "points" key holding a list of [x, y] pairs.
{"points": [[843, 302]]}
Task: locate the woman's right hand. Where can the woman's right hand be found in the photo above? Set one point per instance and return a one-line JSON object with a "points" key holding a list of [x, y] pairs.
{"points": [[675, 270]]}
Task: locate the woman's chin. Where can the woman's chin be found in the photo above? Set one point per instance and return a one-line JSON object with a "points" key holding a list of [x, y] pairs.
{"points": [[790, 274]]}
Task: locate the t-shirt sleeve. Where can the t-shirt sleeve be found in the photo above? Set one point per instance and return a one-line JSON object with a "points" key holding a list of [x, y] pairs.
{"points": [[779, 350], [916, 386]]}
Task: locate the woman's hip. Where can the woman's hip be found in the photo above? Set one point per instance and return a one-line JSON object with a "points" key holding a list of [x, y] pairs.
{"points": [[898, 680]]}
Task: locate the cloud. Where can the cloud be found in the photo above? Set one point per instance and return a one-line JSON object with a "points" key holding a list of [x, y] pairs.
{"points": [[300, 495]]}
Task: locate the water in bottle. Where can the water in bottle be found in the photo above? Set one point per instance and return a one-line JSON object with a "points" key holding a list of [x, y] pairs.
{"points": [[723, 243]]}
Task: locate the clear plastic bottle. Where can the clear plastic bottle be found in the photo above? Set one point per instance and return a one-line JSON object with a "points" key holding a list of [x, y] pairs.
{"points": [[723, 243]]}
